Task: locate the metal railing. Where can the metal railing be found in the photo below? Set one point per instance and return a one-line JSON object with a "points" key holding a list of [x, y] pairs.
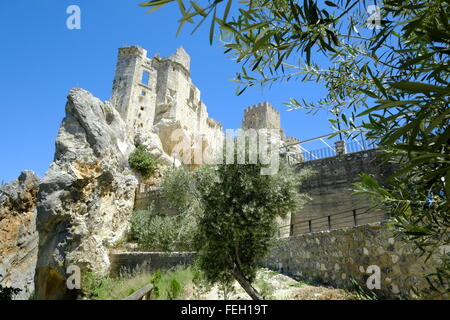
{"points": [[351, 146], [142, 294], [329, 220]]}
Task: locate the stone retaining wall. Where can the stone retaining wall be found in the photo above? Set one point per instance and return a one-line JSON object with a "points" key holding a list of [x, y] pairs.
{"points": [[335, 257], [333, 202]]}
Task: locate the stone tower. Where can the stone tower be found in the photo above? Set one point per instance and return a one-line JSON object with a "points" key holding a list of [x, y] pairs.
{"points": [[142, 85], [261, 116], [134, 95], [157, 94]]}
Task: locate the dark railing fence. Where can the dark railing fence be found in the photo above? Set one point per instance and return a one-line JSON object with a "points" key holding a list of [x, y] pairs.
{"points": [[348, 218]]}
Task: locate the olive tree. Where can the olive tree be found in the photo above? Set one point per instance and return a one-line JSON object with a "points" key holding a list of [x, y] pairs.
{"points": [[240, 207]]}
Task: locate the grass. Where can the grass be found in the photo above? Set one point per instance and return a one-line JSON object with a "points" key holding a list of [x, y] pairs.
{"points": [[173, 284], [168, 285], [298, 284], [108, 288], [183, 283]]}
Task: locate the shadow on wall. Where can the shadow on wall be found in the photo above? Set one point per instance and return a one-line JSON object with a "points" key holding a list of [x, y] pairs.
{"points": [[331, 189]]}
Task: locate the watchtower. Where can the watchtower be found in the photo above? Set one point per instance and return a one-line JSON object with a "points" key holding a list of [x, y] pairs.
{"points": [[261, 116]]}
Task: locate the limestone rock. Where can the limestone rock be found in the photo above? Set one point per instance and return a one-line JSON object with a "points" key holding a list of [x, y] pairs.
{"points": [[175, 138], [18, 236], [86, 197], [152, 144]]}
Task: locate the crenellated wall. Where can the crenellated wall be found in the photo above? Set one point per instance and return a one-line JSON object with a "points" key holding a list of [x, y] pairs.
{"points": [[261, 116]]}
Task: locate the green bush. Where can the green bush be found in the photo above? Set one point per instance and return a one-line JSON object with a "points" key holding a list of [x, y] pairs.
{"points": [[175, 289], [179, 188], [7, 293], [171, 284], [143, 162], [162, 233]]}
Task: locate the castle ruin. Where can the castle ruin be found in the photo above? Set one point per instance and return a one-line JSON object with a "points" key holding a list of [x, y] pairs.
{"points": [[88, 195], [157, 95]]}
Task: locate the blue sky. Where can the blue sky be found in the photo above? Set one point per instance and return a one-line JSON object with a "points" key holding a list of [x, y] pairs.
{"points": [[41, 60]]}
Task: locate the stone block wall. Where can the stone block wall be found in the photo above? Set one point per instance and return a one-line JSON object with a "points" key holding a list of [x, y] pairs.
{"points": [[335, 257], [331, 191]]}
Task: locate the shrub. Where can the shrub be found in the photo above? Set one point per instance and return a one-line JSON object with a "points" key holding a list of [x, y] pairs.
{"points": [[179, 188], [154, 231], [171, 284], [162, 233], [143, 162], [175, 289]]}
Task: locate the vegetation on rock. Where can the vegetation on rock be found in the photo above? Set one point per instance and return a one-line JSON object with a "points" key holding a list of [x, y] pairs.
{"points": [[143, 162]]}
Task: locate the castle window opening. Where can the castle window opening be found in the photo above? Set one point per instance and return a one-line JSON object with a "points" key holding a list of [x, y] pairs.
{"points": [[145, 78], [142, 108], [143, 93]]}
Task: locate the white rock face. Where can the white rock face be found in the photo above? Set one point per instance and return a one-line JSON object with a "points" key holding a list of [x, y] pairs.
{"points": [[18, 236], [87, 196], [153, 144]]}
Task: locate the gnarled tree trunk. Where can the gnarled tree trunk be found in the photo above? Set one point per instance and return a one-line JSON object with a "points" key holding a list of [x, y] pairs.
{"points": [[246, 285]]}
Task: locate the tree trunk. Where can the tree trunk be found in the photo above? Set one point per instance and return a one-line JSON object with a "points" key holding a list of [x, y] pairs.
{"points": [[246, 285]]}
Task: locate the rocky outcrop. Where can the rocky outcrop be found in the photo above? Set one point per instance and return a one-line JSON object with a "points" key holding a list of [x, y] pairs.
{"points": [[18, 236], [153, 145], [86, 198]]}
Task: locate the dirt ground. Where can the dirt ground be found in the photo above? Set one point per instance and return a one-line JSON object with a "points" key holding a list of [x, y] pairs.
{"points": [[274, 286]]}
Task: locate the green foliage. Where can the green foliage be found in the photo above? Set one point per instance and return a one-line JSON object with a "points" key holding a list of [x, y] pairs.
{"points": [[143, 162], [7, 293], [171, 284], [155, 280], [174, 289], [155, 231], [96, 286], [420, 216], [266, 289], [201, 285], [179, 189], [391, 80], [240, 208], [167, 285], [162, 233], [357, 292]]}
